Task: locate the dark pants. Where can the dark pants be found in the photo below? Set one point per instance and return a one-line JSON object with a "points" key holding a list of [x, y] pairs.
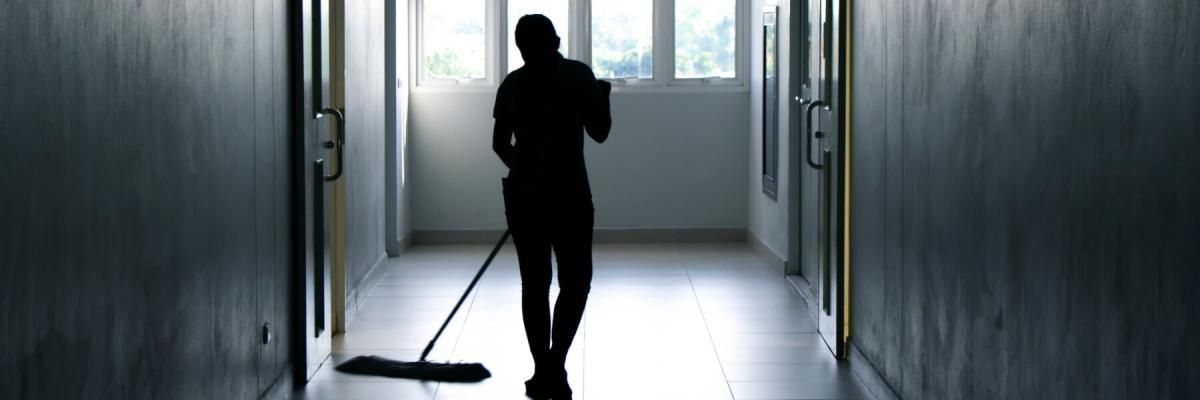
{"points": [[540, 224]]}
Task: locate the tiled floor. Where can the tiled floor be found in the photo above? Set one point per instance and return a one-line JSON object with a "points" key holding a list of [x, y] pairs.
{"points": [[692, 322]]}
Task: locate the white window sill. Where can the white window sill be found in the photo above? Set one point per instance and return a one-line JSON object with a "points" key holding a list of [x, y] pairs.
{"points": [[680, 86], [481, 85]]}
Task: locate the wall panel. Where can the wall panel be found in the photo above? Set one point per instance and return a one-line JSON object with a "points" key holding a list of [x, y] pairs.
{"points": [[142, 241], [1038, 228]]}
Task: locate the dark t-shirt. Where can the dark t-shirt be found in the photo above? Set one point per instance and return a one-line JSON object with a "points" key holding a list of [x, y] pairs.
{"points": [[546, 108]]}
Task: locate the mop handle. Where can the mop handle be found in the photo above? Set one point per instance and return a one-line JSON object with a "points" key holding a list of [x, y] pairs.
{"points": [[500, 244]]}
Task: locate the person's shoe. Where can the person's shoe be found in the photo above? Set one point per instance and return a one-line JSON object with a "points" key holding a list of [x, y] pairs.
{"points": [[538, 386], [558, 388], [536, 389]]}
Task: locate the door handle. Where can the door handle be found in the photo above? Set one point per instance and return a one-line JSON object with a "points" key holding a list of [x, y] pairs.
{"points": [[809, 132], [339, 144]]}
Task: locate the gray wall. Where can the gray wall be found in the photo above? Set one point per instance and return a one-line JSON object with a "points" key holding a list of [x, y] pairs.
{"points": [[768, 217], [145, 233], [398, 228], [365, 140], [1025, 219], [674, 160]]}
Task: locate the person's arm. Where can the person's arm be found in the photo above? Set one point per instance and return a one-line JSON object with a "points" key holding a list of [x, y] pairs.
{"points": [[502, 132], [597, 116], [502, 141]]}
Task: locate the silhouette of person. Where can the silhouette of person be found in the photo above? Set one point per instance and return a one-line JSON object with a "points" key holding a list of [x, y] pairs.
{"points": [[547, 104]]}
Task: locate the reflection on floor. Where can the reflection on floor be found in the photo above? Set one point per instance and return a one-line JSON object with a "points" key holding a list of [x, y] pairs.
{"points": [[690, 322]]}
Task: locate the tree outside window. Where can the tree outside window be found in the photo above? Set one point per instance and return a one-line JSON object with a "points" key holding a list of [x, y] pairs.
{"points": [[705, 39], [622, 38], [454, 39]]}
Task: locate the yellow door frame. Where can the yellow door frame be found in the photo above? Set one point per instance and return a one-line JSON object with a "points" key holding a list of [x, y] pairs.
{"points": [[848, 75], [337, 202]]}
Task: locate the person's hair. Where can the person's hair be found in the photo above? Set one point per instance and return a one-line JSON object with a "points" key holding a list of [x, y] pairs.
{"points": [[536, 32]]}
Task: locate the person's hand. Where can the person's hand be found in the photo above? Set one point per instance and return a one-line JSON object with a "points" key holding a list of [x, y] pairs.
{"points": [[605, 87]]}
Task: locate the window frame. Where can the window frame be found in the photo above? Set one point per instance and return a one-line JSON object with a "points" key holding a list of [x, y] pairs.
{"points": [[490, 51], [740, 51], [663, 77], [579, 39], [620, 83]]}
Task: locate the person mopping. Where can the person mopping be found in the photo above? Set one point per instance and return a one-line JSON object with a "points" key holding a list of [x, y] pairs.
{"points": [[548, 104]]}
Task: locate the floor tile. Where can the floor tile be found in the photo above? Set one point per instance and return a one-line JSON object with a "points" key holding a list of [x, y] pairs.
{"points": [[756, 372], [390, 390], [704, 321], [797, 389]]}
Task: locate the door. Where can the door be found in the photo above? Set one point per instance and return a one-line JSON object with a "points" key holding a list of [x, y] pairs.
{"points": [[313, 176], [817, 158]]}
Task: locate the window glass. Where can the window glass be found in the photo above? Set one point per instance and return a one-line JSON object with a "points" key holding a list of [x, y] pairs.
{"points": [[622, 38], [454, 39], [705, 38], [556, 10]]}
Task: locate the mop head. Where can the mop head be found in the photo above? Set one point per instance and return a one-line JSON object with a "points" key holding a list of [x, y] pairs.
{"points": [[419, 370]]}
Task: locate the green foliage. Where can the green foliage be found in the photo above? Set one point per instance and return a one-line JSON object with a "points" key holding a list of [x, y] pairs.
{"points": [[621, 45], [632, 62], [704, 46], [446, 63]]}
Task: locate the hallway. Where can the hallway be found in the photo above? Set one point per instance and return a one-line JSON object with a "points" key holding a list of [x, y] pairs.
{"points": [[703, 321], [219, 200]]}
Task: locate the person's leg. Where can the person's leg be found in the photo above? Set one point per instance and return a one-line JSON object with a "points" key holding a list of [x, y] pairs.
{"points": [[573, 249], [533, 258], [574, 284]]}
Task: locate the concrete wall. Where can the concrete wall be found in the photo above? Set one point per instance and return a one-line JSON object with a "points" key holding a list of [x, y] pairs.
{"points": [[364, 102], [398, 228], [674, 160], [768, 217], [146, 234], [1024, 198]]}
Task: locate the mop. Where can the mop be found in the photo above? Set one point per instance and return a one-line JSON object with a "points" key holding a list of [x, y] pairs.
{"points": [[428, 370]]}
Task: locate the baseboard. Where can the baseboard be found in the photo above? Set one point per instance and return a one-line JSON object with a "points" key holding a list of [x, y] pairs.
{"points": [[401, 245], [406, 241], [355, 296], [670, 235], [761, 247], [464, 236], [869, 376], [798, 283], [283, 386], [602, 235]]}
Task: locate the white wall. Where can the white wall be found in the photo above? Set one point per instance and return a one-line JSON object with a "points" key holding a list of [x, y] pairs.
{"points": [[397, 187], [768, 218], [674, 160]]}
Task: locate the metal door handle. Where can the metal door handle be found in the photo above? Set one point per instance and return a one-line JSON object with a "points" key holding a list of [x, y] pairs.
{"points": [[809, 132], [339, 144]]}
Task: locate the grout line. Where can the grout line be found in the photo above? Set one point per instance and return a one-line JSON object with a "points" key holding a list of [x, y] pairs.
{"points": [[711, 342], [466, 314]]}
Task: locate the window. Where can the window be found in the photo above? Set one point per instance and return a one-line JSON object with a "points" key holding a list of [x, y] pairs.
{"points": [[454, 40], [705, 39], [623, 39], [556, 10], [647, 43]]}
